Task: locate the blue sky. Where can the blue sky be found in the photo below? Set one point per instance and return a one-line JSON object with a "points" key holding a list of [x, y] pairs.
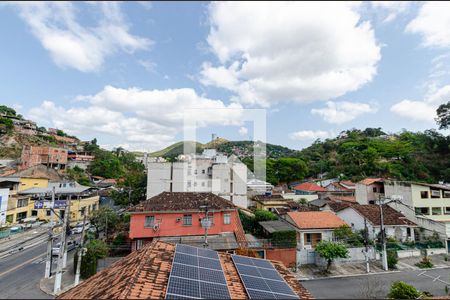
{"points": [[129, 73]]}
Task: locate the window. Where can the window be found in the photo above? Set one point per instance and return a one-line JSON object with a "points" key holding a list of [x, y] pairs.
{"points": [[48, 212], [83, 211], [374, 189], [21, 216], [435, 194], [382, 189], [138, 244], [187, 220], [94, 207], [422, 210], [308, 238], [22, 202], [195, 183], [203, 184], [34, 213], [436, 211], [424, 194], [227, 219], [149, 221], [195, 172], [447, 210], [203, 171], [446, 194], [189, 183]]}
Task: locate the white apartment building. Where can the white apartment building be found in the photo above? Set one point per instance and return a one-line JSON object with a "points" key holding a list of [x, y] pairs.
{"points": [[209, 172]]}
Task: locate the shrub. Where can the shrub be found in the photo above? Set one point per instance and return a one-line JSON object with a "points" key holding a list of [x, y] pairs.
{"points": [[286, 238], [425, 263], [392, 259], [330, 251], [402, 290]]}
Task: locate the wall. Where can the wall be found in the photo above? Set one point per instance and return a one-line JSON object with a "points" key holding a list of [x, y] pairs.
{"points": [[4, 196], [436, 251], [297, 198], [408, 253], [355, 255], [287, 256], [158, 178], [169, 226], [28, 183], [361, 193]]}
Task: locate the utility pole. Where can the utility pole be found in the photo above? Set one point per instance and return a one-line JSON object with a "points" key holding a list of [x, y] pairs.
{"points": [[80, 253], [383, 237], [67, 226], [205, 224], [48, 262], [366, 243], [58, 277]]}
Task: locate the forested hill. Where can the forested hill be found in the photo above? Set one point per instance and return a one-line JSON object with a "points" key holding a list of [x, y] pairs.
{"points": [[423, 156]]}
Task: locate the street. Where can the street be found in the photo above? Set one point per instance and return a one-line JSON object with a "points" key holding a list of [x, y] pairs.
{"points": [[21, 272], [378, 285]]}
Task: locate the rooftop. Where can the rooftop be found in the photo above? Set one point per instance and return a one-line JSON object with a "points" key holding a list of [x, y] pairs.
{"points": [[316, 219], [338, 198], [145, 274], [390, 216], [263, 198], [60, 188], [310, 187], [275, 226], [183, 201], [369, 181]]}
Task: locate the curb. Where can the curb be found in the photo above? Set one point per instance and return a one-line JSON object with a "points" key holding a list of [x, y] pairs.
{"points": [[350, 275], [43, 288]]}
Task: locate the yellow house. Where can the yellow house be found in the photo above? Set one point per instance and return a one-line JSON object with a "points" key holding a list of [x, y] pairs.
{"points": [[270, 202], [29, 182]]}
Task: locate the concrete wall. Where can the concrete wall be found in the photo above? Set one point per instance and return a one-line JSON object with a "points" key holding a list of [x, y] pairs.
{"points": [[355, 255], [361, 193], [158, 178], [436, 251], [408, 253], [298, 197]]}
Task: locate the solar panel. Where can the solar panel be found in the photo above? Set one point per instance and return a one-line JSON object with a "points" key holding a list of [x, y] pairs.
{"points": [[261, 279], [196, 274]]}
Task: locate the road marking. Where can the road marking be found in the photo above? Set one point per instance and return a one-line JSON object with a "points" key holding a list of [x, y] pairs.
{"points": [[436, 278], [21, 265], [422, 273]]}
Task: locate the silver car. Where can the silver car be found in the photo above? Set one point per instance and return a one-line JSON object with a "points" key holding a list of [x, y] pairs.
{"points": [[71, 245]]}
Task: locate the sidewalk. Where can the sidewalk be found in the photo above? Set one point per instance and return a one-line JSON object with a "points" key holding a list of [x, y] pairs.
{"points": [[47, 284], [22, 240], [309, 272]]}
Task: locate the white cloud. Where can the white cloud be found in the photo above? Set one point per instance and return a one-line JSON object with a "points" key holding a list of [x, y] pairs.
{"points": [[391, 8], [433, 24], [342, 112], [72, 45], [289, 51], [148, 65], [140, 119], [422, 110], [243, 131], [309, 135]]}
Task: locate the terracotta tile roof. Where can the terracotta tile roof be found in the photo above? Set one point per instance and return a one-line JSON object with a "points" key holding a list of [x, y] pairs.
{"points": [[348, 183], [145, 274], [337, 186], [369, 181], [182, 201], [338, 206], [390, 216], [337, 198], [310, 187], [316, 219]]}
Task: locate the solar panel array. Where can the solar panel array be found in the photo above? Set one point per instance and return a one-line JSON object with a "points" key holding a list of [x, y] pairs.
{"points": [[196, 274], [261, 279]]}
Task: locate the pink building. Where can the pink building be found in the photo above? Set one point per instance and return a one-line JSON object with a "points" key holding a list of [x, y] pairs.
{"points": [[177, 216], [369, 190]]}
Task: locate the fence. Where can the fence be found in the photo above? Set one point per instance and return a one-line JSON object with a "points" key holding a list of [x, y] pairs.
{"points": [[8, 232], [309, 256]]}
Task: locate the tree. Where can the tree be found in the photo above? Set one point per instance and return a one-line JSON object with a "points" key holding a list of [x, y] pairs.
{"points": [[402, 290], [6, 125], [7, 110], [104, 219], [443, 116], [330, 251], [264, 215], [96, 249]]}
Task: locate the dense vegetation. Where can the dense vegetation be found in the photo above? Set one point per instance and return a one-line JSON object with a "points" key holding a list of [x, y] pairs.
{"points": [[355, 154]]}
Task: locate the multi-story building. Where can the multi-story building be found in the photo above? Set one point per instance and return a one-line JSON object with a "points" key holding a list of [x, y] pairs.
{"points": [[209, 172], [81, 159], [369, 190], [181, 217], [55, 158]]}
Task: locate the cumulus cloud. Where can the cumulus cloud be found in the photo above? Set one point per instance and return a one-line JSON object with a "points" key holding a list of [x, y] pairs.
{"points": [[80, 47], [243, 131], [141, 119], [433, 24], [342, 112], [309, 135], [289, 51], [422, 110], [392, 9]]}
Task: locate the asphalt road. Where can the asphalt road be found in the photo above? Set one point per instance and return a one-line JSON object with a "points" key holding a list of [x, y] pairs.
{"points": [[378, 285], [20, 274]]}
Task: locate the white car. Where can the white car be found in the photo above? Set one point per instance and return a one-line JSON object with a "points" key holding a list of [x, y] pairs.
{"points": [[79, 228], [71, 245]]}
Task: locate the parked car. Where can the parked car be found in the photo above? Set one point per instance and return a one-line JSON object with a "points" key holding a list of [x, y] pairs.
{"points": [[71, 245], [79, 228]]}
